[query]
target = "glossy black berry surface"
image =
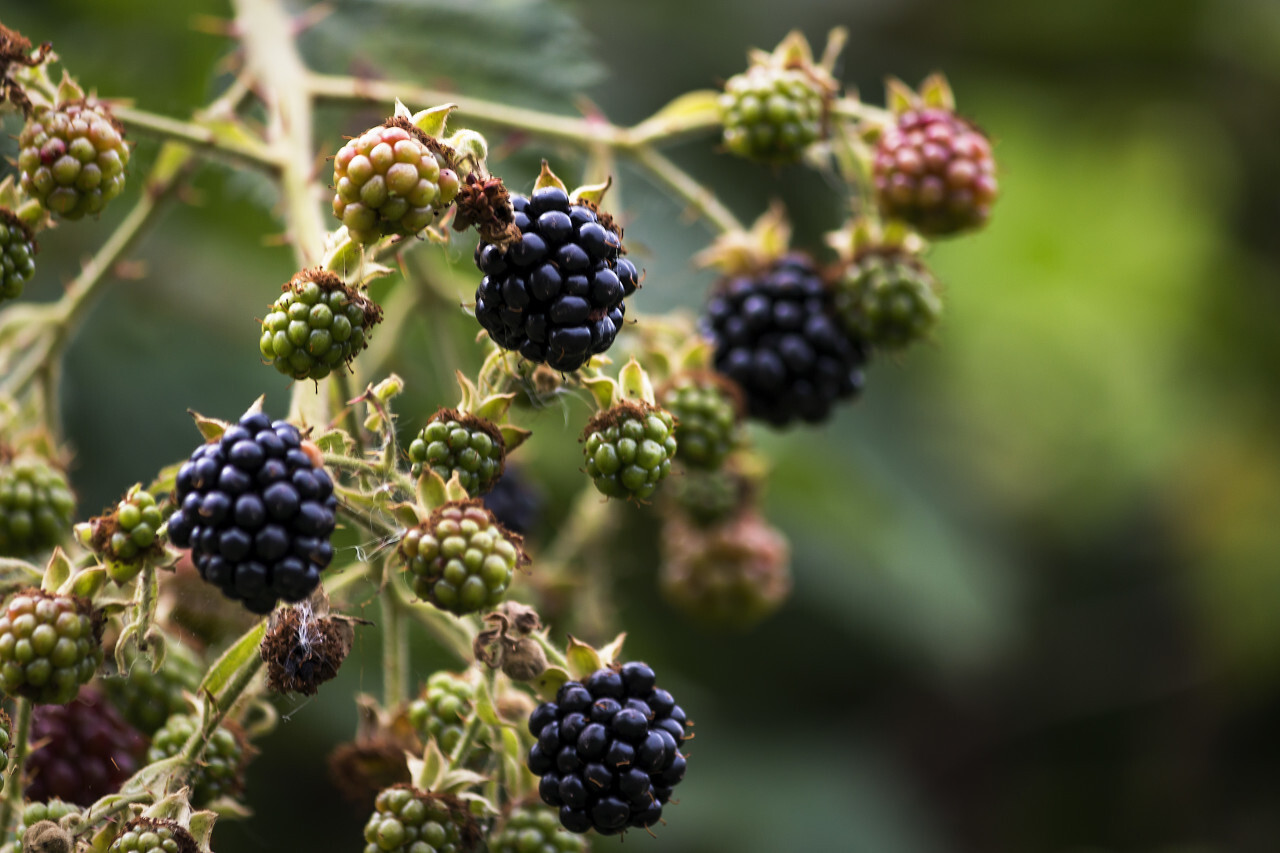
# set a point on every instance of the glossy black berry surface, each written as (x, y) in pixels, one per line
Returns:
(608, 750)
(556, 294)
(257, 513)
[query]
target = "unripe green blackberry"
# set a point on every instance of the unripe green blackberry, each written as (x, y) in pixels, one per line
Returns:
(126, 537)
(629, 448)
(6, 740)
(457, 442)
(534, 828)
(220, 770)
(392, 179)
(149, 835)
(36, 505)
(72, 157)
(54, 810)
(147, 699)
(49, 646)
(461, 558)
(708, 412)
(442, 711)
(731, 575)
(772, 113)
(406, 820)
(889, 300)
(707, 497)
(316, 325)
(17, 255)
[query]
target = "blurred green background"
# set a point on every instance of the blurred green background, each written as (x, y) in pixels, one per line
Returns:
(1037, 566)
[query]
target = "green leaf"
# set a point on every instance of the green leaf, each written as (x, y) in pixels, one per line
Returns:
(334, 441)
(241, 654)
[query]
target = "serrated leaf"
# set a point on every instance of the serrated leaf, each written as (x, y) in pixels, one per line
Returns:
(211, 428)
(582, 659)
(513, 436)
(551, 680)
(241, 654)
(57, 572)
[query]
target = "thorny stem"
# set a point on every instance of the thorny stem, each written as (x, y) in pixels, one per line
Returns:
(206, 140)
(12, 802)
(120, 802)
(395, 644)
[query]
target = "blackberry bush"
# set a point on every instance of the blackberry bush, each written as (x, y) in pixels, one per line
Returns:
(220, 771)
(608, 750)
(460, 559)
(72, 157)
(317, 325)
(49, 645)
(257, 511)
(454, 442)
(556, 294)
(36, 504)
(85, 750)
(17, 255)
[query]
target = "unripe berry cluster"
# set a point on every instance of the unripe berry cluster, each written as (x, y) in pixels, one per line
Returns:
(457, 443)
(629, 448)
(317, 325)
(888, 299)
(17, 255)
(220, 771)
(460, 559)
(148, 835)
(772, 114)
(442, 711)
(406, 820)
(72, 158)
(49, 646)
(36, 505)
(706, 408)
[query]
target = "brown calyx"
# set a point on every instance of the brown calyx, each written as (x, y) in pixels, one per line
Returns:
(15, 49)
(302, 650)
(485, 204)
(328, 282)
(617, 413)
(435, 146)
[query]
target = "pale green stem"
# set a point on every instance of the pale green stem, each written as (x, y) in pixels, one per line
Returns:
(698, 197)
(12, 801)
(201, 138)
(395, 645)
(859, 111)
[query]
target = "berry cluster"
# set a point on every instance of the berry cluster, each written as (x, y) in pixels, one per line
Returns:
(256, 509)
(150, 835)
(534, 828)
(392, 180)
(442, 711)
(460, 558)
(36, 505)
(934, 170)
(406, 820)
(72, 158)
(516, 501)
(772, 114)
(49, 646)
(457, 443)
(608, 750)
(707, 410)
(556, 294)
(220, 771)
(17, 255)
(776, 336)
(34, 812)
(130, 533)
(85, 750)
(629, 448)
(316, 325)
(888, 299)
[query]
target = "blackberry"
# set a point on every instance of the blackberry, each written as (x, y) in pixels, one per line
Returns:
(36, 505)
(516, 501)
(257, 512)
(406, 820)
(708, 497)
(49, 646)
(608, 750)
(6, 740)
(17, 255)
(772, 113)
(533, 828)
(392, 179)
(629, 448)
(85, 751)
(707, 408)
(731, 575)
(461, 559)
(556, 294)
(935, 171)
(219, 772)
(151, 835)
(146, 699)
(53, 810)
(72, 157)
(442, 711)
(128, 535)
(889, 300)
(775, 335)
(455, 442)
(316, 325)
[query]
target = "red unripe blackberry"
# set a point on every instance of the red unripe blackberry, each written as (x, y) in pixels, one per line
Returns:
(392, 179)
(72, 157)
(777, 337)
(257, 512)
(934, 170)
(49, 646)
(17, 255)
(83, 751)
(556, 294)
(608, 750)
(460, 559)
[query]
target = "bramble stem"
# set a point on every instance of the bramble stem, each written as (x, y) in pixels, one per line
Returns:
(395, 645)
(208, 141)
(12, 802)
(859, 111)
(699, 198)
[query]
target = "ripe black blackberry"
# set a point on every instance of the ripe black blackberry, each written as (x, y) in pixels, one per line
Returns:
(257, 512)
(85, 750)
(776, 336)
(556, 294)
(516, 501)
(608, 750)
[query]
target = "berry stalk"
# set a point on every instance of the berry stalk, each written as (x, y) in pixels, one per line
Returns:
(11, 803)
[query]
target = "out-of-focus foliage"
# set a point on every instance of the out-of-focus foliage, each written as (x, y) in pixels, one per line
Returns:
(1037, 566)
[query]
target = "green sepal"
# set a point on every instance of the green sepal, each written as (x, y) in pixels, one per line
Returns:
(149, 775)
(582, 659)
(102, 839)
(201, 829)
(433, 492)
(635, 384)
(604, 390)
(700, 106)
(166, 480)
(936, 92)
(69, 89)
(609, 654)
(211, 428)
(484, 706)
(470, 146)
(57, 572)
(85, 583)
(547, 178)
(739, 252)
(17, 574)
(426, 772)
(513, 768)
(406, 514)
(898, 96)
(513, 436)
(432, 120)
(550, 682)
(495, 407)
(454, 490)
(175, 807)
(593, 193)
(388, 389)
(696, 356)
(239, 655)
(469, 392)
(335, 441)
(793, 51)
(342, 254)
(457, 780)
(477, 804)
(229, 807)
